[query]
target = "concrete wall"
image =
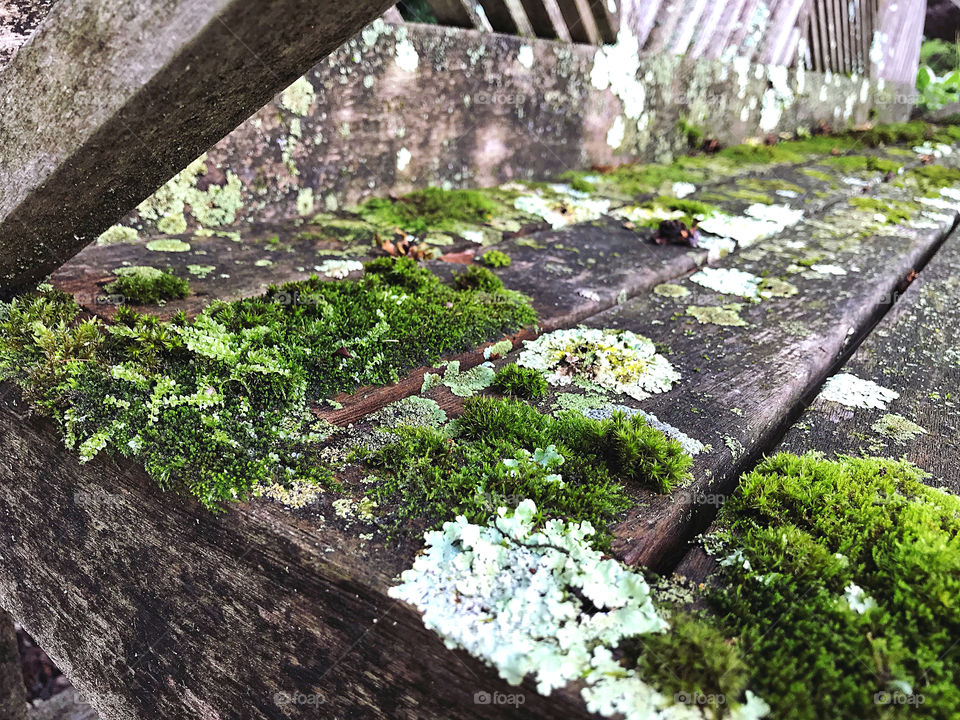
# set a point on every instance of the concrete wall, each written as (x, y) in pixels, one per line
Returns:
(406, 106)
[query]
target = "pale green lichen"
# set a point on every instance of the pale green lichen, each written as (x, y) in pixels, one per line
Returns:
(305, 202)
(617, 360)
(729, 281)
(298, 97)
(117, 234)
(168, 245)
(727, 315)
(498, 349)
(215, 206)
(671, 290)
(537, 600)
(413, 411)
(898, 428)
(470, 382)
(172, 224)
(201, 271)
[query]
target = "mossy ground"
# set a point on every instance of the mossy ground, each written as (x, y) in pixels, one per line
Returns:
(431, 209)
(218, 405)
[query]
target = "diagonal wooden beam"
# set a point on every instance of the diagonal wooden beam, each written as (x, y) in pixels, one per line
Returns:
(108, 100)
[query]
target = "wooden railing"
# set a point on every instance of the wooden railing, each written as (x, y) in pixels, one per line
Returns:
(880, 38)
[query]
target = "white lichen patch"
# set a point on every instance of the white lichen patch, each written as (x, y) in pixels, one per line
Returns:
(729, 281)
(758, 222)
(682, 189)
(525, 56)
(407, 57)
(298, 97)
(857, 599)
(617, 360)
(403, 159)
(616, 67)
(898, 428)
(339, 268)
(562, 210)
(827, 269)
(511, 595)
(542, 603)
(298, 495)
(642, 215)
(852, 391)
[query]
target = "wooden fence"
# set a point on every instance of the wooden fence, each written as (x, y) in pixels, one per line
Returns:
(880, 38)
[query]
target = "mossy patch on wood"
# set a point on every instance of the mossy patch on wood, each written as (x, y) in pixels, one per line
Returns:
(218, 405)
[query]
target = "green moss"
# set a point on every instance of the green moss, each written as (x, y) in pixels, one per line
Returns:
(841, 580)
(577, 180)
(634, 180)
(504, 450)
(693, 658)
(818, 175)
(520, 382)
(750, 196)
(894, 211)
(430, 209)
(861, 163)
(693, 134)
(913, 133)
(144, 285)
(929, 179)
(218, 406)
(495, 258)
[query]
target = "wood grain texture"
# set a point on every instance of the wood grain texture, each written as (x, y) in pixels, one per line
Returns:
(915, 351)
(162, 610)
(109, 100)
(13, 698)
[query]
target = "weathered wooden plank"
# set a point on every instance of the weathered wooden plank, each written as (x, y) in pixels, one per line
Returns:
(13, 699)
(539, 18)
(80, 143)
(573, 21)
(742, 383)
(456, 13)
(500, 16)
(253, 614)
(914, 352)
(607, 20)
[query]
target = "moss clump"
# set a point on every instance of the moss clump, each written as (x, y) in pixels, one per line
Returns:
(693, 134)
(143, 285)
(894, 211)
(930, 179)
(430, 209)
(504, 450)
(913, 133)
(634, 180)
(520, 382)
(218, 406)
(818, 175)
(693, 659)
(842, 580)
(861, 163)
(495, 259)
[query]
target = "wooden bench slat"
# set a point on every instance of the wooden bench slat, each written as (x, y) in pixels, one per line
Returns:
(914, 351)
(108, 100)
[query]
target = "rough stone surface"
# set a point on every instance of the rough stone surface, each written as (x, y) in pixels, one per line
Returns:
(473, 109)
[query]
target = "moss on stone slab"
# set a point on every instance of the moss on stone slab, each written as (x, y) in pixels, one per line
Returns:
(520, 382)
(495, 259)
